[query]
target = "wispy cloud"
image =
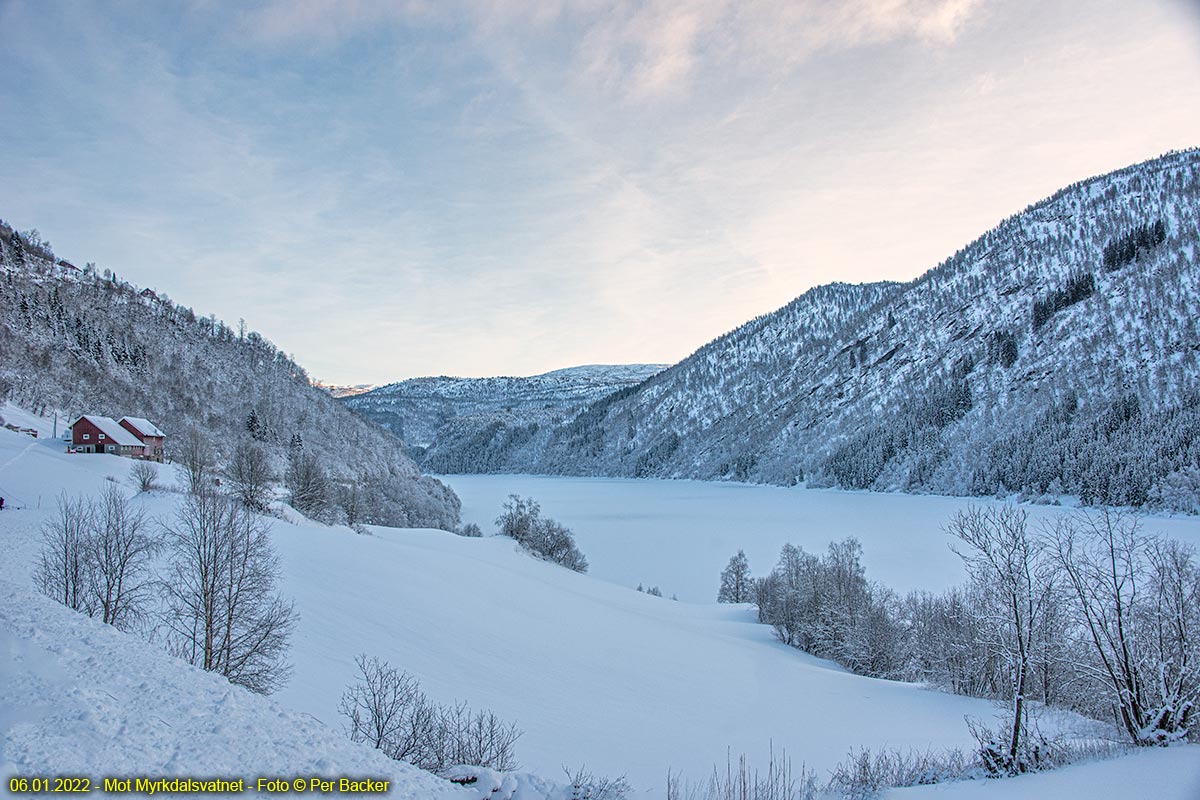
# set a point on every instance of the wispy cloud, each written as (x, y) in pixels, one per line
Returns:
(509, 186)
(643, 49)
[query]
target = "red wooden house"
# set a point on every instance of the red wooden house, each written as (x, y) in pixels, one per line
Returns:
(93, 434)
(152, 438)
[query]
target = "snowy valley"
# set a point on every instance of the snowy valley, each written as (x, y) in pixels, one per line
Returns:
(1039, 385)
(593, 672)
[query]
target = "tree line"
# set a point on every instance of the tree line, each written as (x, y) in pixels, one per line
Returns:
(1089, 612)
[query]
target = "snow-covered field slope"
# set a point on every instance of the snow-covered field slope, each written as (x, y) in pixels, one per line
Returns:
(80, 698)
(594, 673)
(679, 535)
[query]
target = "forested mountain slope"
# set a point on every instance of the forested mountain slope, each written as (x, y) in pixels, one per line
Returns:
(414, 409)
(84, 343)
(1055, 354)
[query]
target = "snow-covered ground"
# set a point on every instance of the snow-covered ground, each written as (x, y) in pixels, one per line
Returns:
(594, 673)
(679, 535)
(1170, 774)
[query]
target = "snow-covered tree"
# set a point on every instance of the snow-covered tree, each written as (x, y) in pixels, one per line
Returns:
(522, 520)
(1013, 572)
(736, 584)
(250, 475)
(307, 483)
(1136, 601)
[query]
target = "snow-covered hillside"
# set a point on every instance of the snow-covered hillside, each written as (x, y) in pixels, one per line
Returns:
(84, 343)
(593, 672)
(416, 408)
(81, 698)
(1030, 361)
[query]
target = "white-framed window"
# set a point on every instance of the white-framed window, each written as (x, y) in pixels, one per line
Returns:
(87, 436)
(102, 436)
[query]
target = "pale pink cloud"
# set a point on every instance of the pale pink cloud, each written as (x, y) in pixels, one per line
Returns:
(641, 50)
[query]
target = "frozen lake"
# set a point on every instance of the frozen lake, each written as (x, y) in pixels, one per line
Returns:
(679, 535)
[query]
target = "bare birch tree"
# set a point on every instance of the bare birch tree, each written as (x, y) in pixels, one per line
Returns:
(64, 567)
(224, 614)
(121, 547)
(1011, 568)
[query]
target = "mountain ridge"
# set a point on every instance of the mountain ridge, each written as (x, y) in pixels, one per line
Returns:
(416, 408)
(1029, 361)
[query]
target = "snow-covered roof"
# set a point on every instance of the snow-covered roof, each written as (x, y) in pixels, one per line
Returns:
(113, 430)
(144, 426)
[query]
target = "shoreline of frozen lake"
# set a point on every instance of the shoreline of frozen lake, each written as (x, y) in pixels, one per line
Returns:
(679, 534)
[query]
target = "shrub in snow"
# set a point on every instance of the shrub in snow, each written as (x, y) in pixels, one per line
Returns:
(588, 786)
(470, 530)
(740, 782)
(522, 520)
(143, 474)
(386, 708)
(864, 773)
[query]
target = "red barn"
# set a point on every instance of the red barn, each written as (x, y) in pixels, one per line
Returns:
(92, 434)
(152, 438)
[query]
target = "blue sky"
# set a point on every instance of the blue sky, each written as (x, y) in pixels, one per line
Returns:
(506, 187)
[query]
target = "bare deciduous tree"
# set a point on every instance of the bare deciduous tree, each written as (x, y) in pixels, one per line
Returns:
(96, 558)
(250, 475)
(64, 570)
(121, 545)
(224, 614)
(193, 457)
(143, 474)
(1137, 597)
(1010, 567)
(307, 484)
